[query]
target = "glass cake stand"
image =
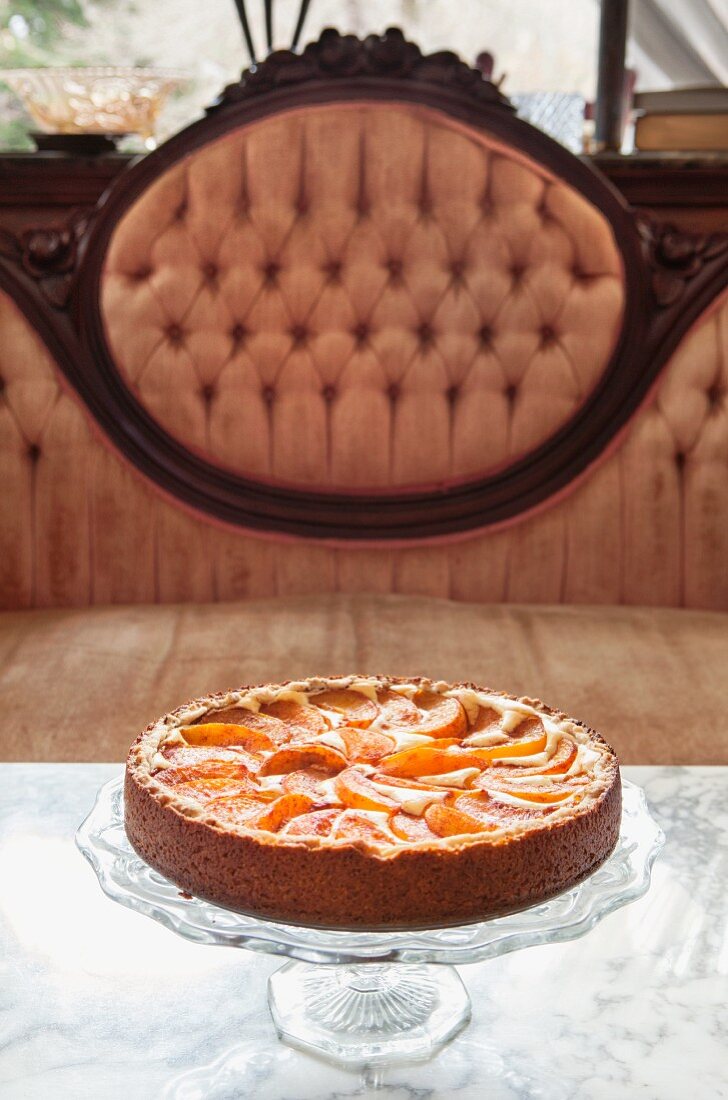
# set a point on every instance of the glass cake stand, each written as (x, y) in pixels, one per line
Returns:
(361, 998)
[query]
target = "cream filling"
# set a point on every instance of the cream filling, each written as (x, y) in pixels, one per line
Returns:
(514, 800)
(405, 740)
(412, 800)
(459, 778)
(333, 739)
(485, 739)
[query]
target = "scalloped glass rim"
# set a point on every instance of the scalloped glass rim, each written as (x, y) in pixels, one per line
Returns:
(127, 879)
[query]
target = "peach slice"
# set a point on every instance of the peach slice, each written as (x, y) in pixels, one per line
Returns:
(441, 717)
(369, 747)
(554, 792)
(356, 708)
(353, 826)
(396, 710)
(563, 758)
(359, 793)
(220, 733)
(236, 809)
(297, 716)
(242, 716)
(407, 827)
(534, 742)
(495, 814)
(184, 756)
(426, 760)
(281, 811)
(295, 757)
(315, 823)
(486, 719)
(560, 762)
(306, 781)
(211, 779)
(451, 821)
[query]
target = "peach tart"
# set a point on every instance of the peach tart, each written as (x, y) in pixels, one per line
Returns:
(372, 802)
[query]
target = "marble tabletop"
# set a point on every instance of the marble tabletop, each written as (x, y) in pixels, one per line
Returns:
(97, 1001)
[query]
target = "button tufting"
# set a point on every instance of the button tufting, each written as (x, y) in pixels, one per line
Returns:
(269, 393)
(141, 274)
(33, 452)
(452, 393)
(361, 332)
(548, 336)
(209, 270)
(393, 391)
(238, 333)
(270, 271)
(511, 392)
(301, 206)
(333, 270)
(175, 333)
(485, 335)
(680, 459)
(299, 334)
(181, 211)
(363, 208)
(328, 392)
(2, 385)
(457, 269)
(208, 392)
(425, 333)
(517, 273)
(714, 394)
(543, 211)
(394, 267)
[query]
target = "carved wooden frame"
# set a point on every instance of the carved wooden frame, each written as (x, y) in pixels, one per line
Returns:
(670, 278)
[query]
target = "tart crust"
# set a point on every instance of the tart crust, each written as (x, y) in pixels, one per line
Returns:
(355, 884)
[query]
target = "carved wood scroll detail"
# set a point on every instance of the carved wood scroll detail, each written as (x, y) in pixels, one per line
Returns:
(48, 255)
(341, 56)
(676, 257)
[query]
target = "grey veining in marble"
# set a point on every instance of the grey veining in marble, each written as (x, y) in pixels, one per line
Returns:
(99, 1002)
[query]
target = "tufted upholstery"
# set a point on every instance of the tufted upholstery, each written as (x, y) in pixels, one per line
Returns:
(648, 526)
(367, 295)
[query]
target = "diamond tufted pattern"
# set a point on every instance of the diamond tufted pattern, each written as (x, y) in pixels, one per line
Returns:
(648, 526)
(361, 295)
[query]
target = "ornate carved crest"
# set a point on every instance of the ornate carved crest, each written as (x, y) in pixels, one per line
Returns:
(342, 56)
(48, 255)
(676, 256)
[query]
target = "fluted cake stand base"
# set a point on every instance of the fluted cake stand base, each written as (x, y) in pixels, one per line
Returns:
(369, 997)
(368, 1013)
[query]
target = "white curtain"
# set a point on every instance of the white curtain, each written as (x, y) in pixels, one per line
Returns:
(678, 42)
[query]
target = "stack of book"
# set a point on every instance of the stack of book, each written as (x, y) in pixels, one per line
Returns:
(682, 120)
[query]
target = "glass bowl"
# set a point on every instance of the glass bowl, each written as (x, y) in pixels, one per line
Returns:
(370, 997)
(101, 100)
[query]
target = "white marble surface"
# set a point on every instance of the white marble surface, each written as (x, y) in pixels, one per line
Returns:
(99, 1002)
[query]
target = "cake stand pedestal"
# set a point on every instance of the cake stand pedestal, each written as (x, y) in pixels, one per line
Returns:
(370, 998)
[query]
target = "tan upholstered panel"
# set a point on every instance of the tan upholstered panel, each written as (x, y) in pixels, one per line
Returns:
(361, 296)
(649, 526)
(650, 679)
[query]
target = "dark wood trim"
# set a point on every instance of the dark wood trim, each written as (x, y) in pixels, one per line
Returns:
(54, 179)
(609, 105)
(669, 279)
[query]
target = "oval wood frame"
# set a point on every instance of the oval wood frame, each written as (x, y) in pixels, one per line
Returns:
(669, 280)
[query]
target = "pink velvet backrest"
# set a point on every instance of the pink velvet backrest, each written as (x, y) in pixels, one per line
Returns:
(361, 295)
